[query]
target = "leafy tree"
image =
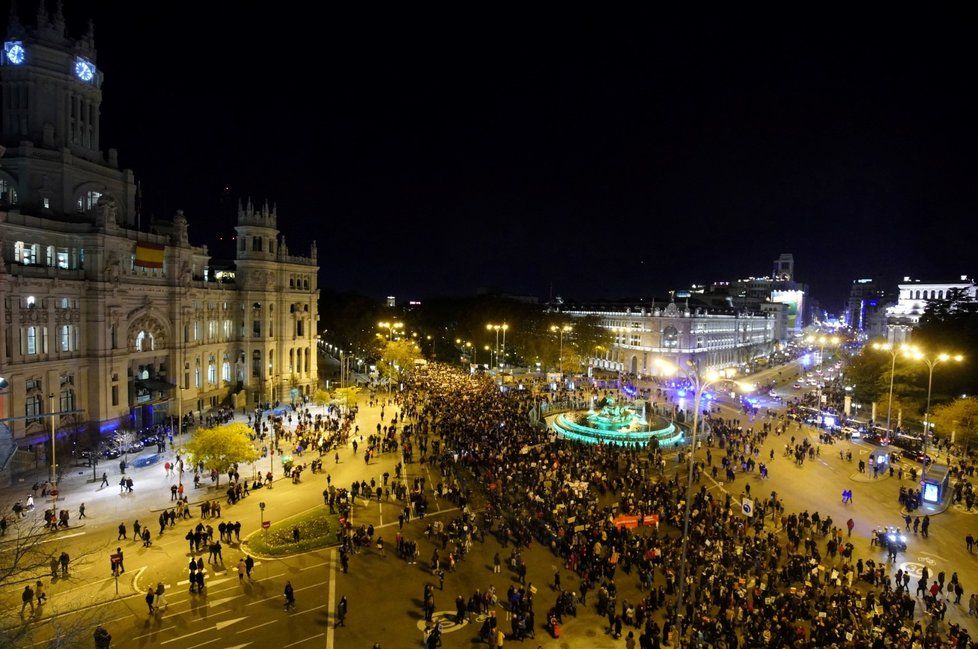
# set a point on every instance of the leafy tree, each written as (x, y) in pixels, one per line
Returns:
(347, 396)
(959, 416)
(320, 397)
(222, 447)
(397, 357)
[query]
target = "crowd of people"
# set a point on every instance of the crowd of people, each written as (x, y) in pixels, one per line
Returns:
(774, 579)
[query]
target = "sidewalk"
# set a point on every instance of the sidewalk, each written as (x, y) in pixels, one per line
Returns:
(151, 487)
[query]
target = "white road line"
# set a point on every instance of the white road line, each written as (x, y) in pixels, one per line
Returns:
(312, 637)
(252, 628)
(60, 538)
(309, 610)
(380, 509)
(316, 565)
(330, 626)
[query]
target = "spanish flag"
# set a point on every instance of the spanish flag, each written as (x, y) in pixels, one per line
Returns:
(149, 255)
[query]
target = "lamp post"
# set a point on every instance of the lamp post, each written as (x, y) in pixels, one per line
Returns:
(893, 352)
(560, 330)
(931, 362)
(497, 328)
(391, 327)
(700, 384)
(54, 462)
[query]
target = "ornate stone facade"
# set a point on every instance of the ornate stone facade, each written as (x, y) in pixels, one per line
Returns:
(90, 328)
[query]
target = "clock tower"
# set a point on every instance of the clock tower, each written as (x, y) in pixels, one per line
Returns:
(51, 97)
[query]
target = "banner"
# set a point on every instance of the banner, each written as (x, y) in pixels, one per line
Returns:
(149, 255)
(631, 522)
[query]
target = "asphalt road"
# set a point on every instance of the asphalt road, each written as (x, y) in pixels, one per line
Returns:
(385, 593)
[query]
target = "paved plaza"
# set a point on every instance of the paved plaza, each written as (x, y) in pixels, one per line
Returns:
(385, 593)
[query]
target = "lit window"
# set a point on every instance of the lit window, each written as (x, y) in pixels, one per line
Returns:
(88, 200)
(31, 340)
(46, 202)
(7, 191)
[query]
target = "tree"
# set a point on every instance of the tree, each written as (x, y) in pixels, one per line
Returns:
(25, 556)
(396, 357)
(959, 416)
(320, 397)
(123, 441)
(222, 447)
(348, 395)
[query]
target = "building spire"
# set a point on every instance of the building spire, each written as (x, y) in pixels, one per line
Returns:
(59, 17)
(42, 14)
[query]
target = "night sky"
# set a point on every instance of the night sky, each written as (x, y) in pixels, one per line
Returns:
(615, 156)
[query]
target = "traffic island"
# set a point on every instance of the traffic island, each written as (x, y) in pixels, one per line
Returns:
(310, 530)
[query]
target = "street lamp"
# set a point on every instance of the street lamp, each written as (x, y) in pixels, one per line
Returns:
(931, 362)
(497, 328)
(822, 342)
(391, 327)
(893, 352)
(700, 384)
(560, 330)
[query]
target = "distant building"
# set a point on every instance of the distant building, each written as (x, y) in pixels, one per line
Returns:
(914, 296)
(713, 338)
(391, 302)
(867, 299)
(753, 293)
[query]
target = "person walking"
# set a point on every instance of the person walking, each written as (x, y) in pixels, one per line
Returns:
(105, 480)
(289, 596)
(150, 598)
(249, 565)
(341, 608)
(81, 511)
(122, 531)
(241, 570)
(160, 602)
(27, 599)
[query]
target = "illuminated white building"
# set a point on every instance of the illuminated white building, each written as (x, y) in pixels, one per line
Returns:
(913, 299)
(103, 321)
(713, 338)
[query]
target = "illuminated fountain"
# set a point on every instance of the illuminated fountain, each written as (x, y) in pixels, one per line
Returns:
(616, 424)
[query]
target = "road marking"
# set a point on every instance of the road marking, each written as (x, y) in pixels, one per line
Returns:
(216, 627)
(60, 538)
(309, 610)
(252, 628)
(316, 565)
(312, 637)
(330, 627)
(259, 601)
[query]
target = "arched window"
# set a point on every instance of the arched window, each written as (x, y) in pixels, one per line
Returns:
(145, 342)
(88, 200)
(670, 336)
(940, 295)
(197, 374)
(307, 360)
(211, 370)
(917, 295)
(226, 370)
(256, 363)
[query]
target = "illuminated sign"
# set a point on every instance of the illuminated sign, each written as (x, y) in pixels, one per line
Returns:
(795, 302)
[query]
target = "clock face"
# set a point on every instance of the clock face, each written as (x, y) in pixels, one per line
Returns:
(84, 69)
(14, 52)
